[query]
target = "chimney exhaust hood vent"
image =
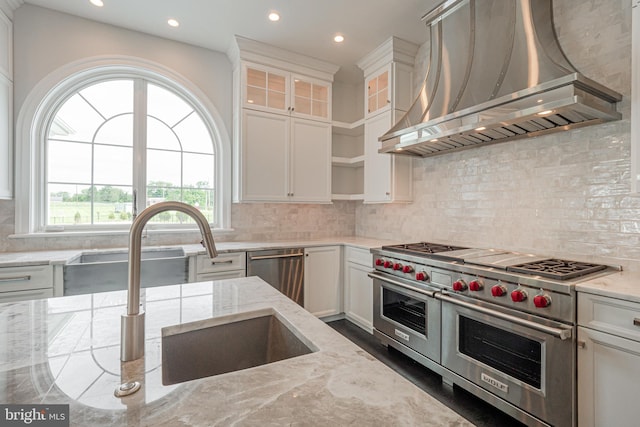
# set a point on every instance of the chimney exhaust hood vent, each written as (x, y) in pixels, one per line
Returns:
(496, 72)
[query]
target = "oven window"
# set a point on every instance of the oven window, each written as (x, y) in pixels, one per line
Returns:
(405, 310)
(510, 353)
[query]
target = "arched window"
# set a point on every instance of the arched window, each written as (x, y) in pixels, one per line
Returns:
(112, 140)
(116, 138)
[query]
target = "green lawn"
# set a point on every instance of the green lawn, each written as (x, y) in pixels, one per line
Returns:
(68, 213)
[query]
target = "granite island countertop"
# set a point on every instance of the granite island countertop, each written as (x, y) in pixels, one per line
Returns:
(66, 350)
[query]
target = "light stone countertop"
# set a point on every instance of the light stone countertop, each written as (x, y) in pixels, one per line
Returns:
(21, 259)
(66, 350)
(623, 285)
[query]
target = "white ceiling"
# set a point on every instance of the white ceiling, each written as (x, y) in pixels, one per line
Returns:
(306, 26)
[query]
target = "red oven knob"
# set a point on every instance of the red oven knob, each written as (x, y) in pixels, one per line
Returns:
(498, 291)
(387, 264)
(422, 276)
(518, 295)
(407, 269)
(379, 261)
(476, 285)
(397, 266)
(459, 285)
(542, 301)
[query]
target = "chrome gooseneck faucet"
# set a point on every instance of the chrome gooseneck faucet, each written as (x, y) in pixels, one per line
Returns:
(132, 324)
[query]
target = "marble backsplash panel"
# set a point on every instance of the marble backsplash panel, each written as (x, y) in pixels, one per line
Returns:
(250, 222)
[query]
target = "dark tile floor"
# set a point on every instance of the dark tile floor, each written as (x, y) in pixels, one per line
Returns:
(473, 409)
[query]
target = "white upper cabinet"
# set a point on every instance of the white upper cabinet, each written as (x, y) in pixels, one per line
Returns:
(280, 92)
(6, 107)
(388, 72)
(282, 125)
(378, 93)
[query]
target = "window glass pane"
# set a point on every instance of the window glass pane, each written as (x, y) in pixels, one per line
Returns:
(69, 162)
(256, 96)
(165, 105)
(202, 199)
(302, 88)
(75, 121)
(194, 135)
(198, 170)
(276, 100)
(163, 167)
(113, 165)
(110, 98)
(276, 83)
(68, 204)
(117, 131)
(320, 93)
(112, 204)
(159, 135)
(256, 78)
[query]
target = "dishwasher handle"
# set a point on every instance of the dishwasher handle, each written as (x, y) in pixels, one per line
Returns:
(260, 257)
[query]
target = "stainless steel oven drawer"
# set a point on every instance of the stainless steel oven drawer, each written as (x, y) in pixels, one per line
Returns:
(419, 331)
(533, 369)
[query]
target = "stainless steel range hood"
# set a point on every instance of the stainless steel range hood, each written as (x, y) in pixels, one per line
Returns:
(496, 72)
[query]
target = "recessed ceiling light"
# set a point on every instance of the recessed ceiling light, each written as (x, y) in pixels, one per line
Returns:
(98, 3)
(339, 38)
(480, 128)
(173, 23)
(274, 16)
(544, 113)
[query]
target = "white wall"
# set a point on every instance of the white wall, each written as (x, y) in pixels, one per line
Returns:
(566, 194)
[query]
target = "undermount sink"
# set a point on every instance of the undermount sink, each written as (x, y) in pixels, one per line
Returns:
(106, 270)
(226, 344)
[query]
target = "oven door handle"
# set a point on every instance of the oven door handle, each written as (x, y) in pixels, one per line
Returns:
(563, 334)
(431, 294)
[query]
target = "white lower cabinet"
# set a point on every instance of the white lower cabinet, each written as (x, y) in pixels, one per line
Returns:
(358, 287)
(224, 266)
(608, 361)
(322, 281)
(24, 283)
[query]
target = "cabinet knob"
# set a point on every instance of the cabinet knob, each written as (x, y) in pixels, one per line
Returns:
(581, 344)
(636, 321)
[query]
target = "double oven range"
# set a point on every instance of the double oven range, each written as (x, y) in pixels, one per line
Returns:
(499, 324)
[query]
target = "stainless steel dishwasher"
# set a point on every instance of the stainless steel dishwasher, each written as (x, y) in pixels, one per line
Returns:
(281, 268)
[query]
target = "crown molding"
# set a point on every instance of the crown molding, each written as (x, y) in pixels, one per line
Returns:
(244, 49)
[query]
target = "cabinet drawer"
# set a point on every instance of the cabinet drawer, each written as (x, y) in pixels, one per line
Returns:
(26, 278)
(220, 275)
(223, 262)
(26, 295)
(359, 256)
(612, 315)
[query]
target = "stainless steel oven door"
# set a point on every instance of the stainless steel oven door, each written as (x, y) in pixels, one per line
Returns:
(526, 361)
(408, 314)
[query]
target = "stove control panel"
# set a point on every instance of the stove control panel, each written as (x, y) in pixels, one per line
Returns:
(513, 295)
(510, 294)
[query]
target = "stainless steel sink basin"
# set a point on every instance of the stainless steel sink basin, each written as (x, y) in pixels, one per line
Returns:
(99, 271)
(226, 344)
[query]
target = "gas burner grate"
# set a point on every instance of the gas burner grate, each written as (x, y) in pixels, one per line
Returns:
(422, 248)
(556, 268)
